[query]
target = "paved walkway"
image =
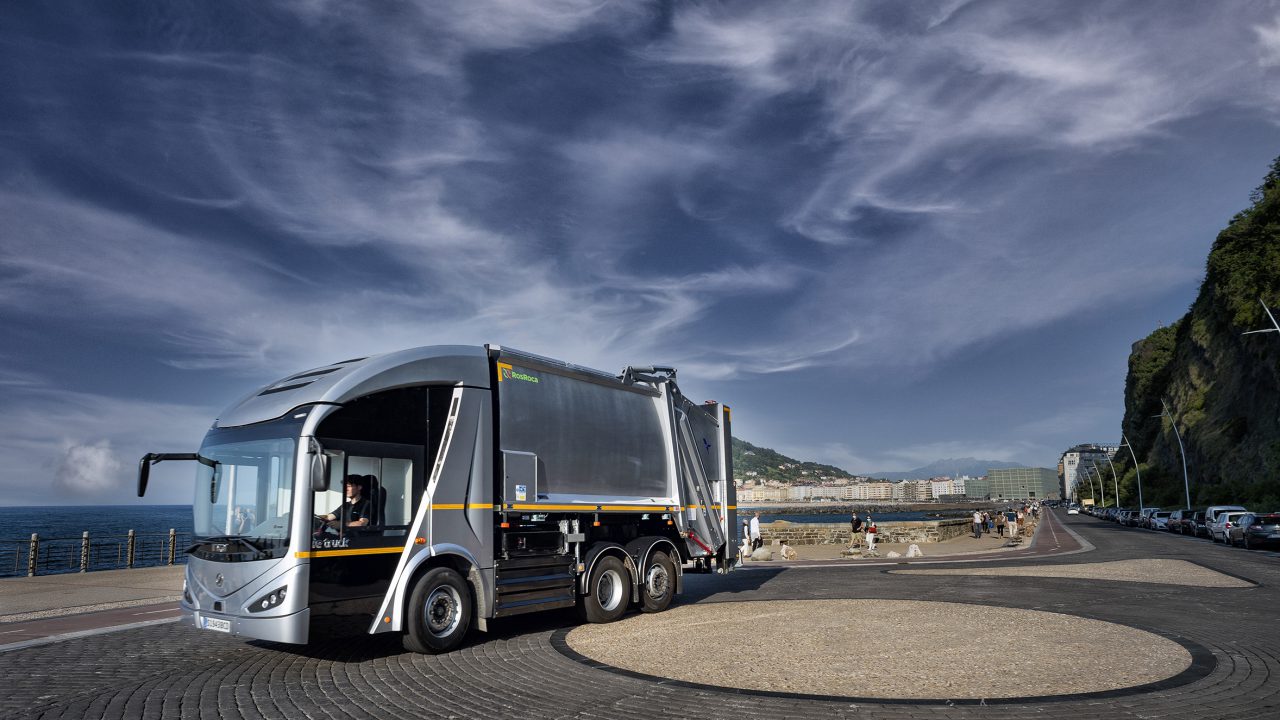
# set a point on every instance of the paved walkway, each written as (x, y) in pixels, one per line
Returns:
(524, 669)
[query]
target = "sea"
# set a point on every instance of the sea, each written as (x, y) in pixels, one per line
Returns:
(842, 518)
(60, 529)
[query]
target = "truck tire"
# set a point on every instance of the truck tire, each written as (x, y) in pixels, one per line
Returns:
(658, 584)
(610, 591)
(439, 612)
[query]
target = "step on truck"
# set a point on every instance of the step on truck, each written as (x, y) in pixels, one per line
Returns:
(429, 491)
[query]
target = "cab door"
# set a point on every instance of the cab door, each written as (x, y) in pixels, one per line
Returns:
(351, 567)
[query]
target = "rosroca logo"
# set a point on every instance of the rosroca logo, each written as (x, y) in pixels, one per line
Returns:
(506, 372)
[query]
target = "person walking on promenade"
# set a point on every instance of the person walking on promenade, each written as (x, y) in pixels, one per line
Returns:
(977, 525)
(871, 534)
(855, 531)
(1000, 524)
(756, 541)
(746, 530)
(1022, 516)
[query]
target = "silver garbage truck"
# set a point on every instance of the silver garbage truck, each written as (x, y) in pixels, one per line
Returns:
(431, 490)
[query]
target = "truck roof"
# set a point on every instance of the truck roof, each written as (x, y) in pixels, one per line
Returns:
(349, 379)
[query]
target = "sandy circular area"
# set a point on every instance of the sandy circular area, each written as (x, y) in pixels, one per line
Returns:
(887, 649)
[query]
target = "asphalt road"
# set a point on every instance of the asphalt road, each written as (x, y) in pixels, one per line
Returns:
(520, 669)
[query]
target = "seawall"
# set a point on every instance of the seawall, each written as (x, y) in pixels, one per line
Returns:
(920, 531)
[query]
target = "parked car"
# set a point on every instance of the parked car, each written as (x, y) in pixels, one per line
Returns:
(1160, 520)
(1220, 528)
(1259, 530)
(1211, 512)
(1181, 522)
(1144, 516)
(1198, 525)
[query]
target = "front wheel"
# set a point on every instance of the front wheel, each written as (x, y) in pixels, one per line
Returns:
(659, 583)
(610, 591)
(439, 612)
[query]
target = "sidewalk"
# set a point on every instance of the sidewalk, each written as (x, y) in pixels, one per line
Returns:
(48, 596)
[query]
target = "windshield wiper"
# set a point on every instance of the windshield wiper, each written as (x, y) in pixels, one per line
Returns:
(228, 539)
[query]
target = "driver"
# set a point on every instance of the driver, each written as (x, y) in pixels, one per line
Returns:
(355, 510)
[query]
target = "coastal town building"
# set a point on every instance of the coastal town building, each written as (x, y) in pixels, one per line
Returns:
(1023, 483)
(1072, 463)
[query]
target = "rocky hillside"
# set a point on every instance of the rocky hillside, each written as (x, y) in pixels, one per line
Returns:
(1222, 388)
(771, 465)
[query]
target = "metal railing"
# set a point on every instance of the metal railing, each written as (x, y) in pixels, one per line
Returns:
(50, 556)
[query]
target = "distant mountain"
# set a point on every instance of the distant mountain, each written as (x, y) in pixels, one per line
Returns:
(767, 464)
(950, 467)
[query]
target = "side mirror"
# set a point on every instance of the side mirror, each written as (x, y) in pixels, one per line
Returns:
(319, 468)
(144, 473)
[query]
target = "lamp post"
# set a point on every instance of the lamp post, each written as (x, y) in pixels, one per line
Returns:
(1186, 482)
(1093, 494)
(1114, 479)
(1093, 465)
(1273, 321)
(1135, 470)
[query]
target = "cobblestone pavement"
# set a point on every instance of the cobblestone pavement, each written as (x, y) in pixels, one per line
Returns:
(172, 671)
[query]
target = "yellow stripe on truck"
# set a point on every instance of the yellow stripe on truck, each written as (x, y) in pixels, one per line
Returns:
(588, 508)
(348, 551)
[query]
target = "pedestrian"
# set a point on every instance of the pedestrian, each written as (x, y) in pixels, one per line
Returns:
(756, 541)
(871, 534)
(986, 522)
(1000, 524)
(856, 535)
(977, 525)
(1021, 518)
(746, 530)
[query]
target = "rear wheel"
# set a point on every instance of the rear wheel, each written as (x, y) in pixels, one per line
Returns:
(609, 591)
(439, 612)
(1247, 546)
(659, 583)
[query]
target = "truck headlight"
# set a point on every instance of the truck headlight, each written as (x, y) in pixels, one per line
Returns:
(269, 600)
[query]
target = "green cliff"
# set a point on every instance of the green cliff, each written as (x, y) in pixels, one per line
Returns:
(768, 464)
(1222, 388)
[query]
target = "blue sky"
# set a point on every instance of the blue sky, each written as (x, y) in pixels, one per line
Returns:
(884, 232)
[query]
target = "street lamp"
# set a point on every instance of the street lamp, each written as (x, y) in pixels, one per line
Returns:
(1273, 321)
(1183, 451)
(1093, 494)
(1114, 479)
(1093, 465)
(1135, 469)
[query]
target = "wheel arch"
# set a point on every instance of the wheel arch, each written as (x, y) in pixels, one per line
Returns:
(642, 548)
(605, 549)
(457, 559)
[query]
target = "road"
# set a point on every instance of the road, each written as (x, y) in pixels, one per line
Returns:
(518, 671)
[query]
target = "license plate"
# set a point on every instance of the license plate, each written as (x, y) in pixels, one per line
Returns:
(218, 624)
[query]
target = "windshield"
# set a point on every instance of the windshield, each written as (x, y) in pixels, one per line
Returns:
(249, 493)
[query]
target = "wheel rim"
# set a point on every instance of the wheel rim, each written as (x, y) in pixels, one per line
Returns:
(609, 590)
(657, 581)
(443, 611)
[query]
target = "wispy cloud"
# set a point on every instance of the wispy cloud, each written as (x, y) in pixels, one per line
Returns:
(1269, 42)
(767, 189)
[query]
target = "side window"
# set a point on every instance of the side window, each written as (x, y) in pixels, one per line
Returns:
(380, 500)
